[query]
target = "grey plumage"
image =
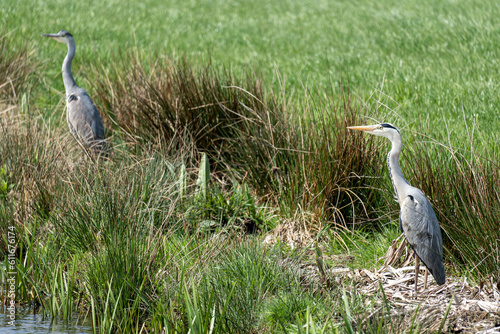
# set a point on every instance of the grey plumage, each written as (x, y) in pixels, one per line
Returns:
(420, 226)
(417, 218)
(84, 120)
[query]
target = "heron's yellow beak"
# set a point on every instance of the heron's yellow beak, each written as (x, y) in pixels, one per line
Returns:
(362, 128)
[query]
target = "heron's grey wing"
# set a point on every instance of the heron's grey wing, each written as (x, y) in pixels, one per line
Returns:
(423, 233)
(99, 143)
(84, 119)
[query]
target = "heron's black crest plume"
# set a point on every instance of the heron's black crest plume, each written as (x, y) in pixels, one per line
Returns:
(65, 33)
(387, 125)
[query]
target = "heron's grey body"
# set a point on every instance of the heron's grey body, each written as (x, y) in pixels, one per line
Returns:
(84, 120)
(417, 218)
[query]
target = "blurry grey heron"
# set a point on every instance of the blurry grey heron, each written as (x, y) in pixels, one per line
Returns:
(84, 120)
(417, 219)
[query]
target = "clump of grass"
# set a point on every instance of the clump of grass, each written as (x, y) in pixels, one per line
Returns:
(17, 68)
(163, 100)
(254, 274)
(235, 209)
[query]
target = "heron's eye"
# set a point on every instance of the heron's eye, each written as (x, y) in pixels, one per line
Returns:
(380, 127)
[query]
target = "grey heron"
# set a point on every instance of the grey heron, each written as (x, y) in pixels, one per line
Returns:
(84, 120)
(417, 219)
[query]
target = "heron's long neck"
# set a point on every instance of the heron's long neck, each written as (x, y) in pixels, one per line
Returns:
(398, 181)
(68, 80)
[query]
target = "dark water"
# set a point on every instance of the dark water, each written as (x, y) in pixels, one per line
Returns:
(27, 322)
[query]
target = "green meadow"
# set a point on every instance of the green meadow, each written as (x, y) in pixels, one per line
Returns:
(235, 190)
(437, 60)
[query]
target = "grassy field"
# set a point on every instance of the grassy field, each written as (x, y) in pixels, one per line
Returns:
(218, 201)
(437, 60)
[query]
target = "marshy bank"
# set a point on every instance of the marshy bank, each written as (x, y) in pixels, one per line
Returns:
(169, 234)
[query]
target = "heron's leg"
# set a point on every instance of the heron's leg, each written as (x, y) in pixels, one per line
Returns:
(416, 272)
(425, 278)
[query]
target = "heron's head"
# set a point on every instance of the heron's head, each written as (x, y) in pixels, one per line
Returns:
(62, 36)
(383, 129)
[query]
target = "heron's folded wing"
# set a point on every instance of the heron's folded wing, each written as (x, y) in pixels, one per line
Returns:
(422, 230)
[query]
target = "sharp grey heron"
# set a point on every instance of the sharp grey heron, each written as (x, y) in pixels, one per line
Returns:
(417, 219)
(84, 120)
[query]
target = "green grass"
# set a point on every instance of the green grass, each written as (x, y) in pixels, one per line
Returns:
(359, 249)
(117, 242)
(431, 57)
(168, 234)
